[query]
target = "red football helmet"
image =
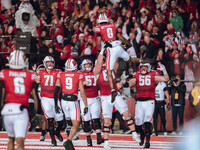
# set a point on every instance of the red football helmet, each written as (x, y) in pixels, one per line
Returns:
(70, 65)
(17, 60)
(145, 68)
(47, 59)
(88, 68)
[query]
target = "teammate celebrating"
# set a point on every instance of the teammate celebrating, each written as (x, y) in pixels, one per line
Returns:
(47, 78)
(107, 105)
(70, 81)
(107, 33)
(18, 86)
(145, 81)
(94, 110)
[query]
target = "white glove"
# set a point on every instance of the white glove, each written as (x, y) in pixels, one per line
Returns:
(124, 77)
(102, 48)
(162, 68)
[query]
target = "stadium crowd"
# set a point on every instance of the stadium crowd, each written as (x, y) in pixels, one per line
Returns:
(162, 32)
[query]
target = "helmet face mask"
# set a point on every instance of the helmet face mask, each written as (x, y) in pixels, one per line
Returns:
(87, 65)
(17, 60)
(70, 65)
(49, 62)
(102, 18)
(145, 68)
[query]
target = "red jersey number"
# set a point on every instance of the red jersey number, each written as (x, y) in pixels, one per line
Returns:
(19, 86)
(144, 80)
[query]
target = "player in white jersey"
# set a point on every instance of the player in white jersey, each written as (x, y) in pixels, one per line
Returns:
(161, 93)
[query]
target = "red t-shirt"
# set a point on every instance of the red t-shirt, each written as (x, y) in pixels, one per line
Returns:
(47, 82)
(18, 84)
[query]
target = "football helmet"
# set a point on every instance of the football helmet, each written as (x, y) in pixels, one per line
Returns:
(146, 68)
(102, 18)
(46, 59)
(87, 61)
(70, 65)
(17, 60)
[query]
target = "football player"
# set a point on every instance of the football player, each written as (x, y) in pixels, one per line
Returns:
(47, 77)
(69, 81)
(107, 33)
(107, 105)
(18, 86)
(145, 81)
(91, 90)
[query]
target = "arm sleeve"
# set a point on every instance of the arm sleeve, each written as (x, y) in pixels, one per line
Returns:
(56, 90)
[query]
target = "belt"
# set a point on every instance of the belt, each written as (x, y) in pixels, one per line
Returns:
(69, 97)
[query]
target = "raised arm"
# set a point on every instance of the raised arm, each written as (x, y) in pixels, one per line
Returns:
(162, 78)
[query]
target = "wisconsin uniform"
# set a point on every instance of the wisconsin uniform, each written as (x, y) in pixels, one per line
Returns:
(108, 33)
(145, 82)
(69, 84)
(47, 83)
(145, 88)
(91, 90)
(18, 84)
(105, 93)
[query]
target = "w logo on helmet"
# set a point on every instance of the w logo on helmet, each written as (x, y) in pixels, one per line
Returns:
(102, 18)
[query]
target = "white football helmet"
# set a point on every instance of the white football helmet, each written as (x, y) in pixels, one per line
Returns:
(87, 61)
(102, 18)
(70, 65)
(17, 60)
(145, 70)
(46, 59)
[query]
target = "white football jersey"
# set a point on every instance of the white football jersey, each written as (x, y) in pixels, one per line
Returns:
(160, 91)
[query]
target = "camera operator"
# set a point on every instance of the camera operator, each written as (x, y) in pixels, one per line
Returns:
(177, 91)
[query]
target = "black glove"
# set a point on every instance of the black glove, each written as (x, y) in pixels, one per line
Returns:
(57, 109)
(85, 111)
(168, 106)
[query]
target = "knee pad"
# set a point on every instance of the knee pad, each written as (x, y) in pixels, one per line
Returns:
(108, 129)
(50, 123)
(97, 123)
(130, 122)
(86, 126)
